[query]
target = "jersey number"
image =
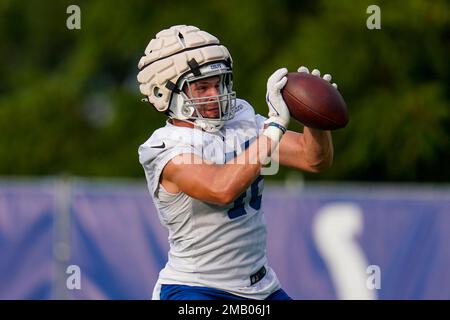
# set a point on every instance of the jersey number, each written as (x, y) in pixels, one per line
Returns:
(254, 202)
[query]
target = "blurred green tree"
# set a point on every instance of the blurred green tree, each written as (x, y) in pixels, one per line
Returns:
(69, 100)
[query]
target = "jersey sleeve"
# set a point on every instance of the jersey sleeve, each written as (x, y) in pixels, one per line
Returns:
(157, 152)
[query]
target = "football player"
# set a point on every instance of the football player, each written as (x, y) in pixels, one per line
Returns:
(203, 168)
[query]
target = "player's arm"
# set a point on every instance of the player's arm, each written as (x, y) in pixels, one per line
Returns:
(213, 183)
(222, 184)
(311, 151)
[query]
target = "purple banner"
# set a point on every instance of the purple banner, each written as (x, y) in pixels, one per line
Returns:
(26, 238)
(104, 241)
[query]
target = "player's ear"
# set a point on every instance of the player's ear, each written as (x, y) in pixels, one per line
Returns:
(186, 87)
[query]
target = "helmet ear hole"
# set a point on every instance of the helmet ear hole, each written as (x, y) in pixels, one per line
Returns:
(157, 93)
(187, 111)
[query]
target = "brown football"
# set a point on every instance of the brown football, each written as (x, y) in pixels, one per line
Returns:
(314, 102)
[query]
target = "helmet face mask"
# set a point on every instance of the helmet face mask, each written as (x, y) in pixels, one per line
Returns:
(177, 58)
(194, 109)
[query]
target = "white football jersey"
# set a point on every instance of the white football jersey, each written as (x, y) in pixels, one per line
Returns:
(222, 247)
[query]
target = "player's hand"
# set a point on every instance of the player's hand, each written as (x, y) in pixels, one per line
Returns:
(316, 72)
(278, 111)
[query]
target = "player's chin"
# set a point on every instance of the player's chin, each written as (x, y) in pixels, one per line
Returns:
(212, 115)
(211, 112)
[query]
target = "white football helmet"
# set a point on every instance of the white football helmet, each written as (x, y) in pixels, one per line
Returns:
(177, 57)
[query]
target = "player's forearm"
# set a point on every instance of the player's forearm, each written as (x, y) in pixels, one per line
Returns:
(237, 174)
(319, 148)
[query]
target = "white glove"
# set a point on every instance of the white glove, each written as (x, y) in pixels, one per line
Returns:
(316, 72)
(278, 111)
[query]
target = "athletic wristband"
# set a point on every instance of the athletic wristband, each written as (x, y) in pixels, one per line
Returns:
(279, 126)
(274, 131)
